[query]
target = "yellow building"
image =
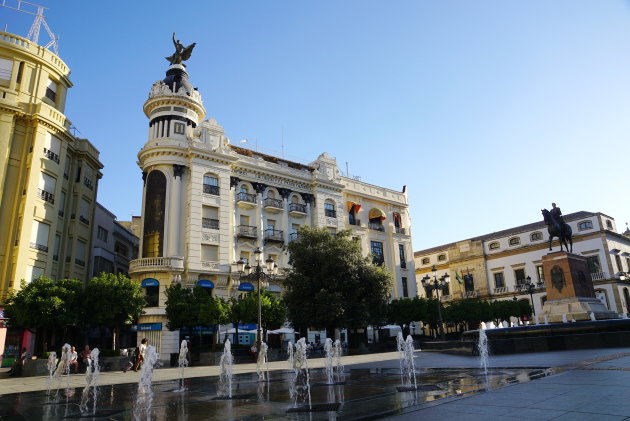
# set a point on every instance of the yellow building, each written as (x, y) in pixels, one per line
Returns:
(48, 177)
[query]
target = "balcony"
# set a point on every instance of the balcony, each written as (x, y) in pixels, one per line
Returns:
(400, 230)
(51, 155)
(274, 236)
(152, 264)
(84, 220)
(330, 213)
(39, 247)
(599, 276)
(297, 209)
(246, 231)
(46, 196)
(210, 189)
(88, 183)
(355, 222)
(273, 205)
(246, 200)
(376, 226)
(471, 294)
(208, 223)
(500, 290)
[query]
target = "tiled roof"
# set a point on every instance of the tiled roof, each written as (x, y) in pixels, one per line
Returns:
(504, 233)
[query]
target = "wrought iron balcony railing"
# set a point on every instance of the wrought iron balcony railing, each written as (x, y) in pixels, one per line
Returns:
(274, 235)
(212, 224)
(376, 226)
(245, 197)
(297, 207)
(246, 231)
(210, 189)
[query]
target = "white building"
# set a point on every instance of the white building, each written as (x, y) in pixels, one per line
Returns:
(500, 263)
(207, 204)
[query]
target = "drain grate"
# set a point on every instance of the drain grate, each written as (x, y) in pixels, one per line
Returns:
(320, 407)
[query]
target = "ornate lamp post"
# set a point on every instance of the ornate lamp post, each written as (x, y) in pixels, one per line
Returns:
(257, 273)
(436, 285)
(531, 287)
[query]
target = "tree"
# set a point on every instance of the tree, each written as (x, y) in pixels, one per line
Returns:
(331, 284)
(273, 310)
(44, 304)
(402, 312)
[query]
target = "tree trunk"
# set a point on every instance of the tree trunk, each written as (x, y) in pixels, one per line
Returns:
(114, 333)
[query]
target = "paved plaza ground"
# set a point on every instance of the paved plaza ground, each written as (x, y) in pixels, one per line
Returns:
(588, 385)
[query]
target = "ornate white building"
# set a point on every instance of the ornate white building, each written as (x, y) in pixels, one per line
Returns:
(207, 204)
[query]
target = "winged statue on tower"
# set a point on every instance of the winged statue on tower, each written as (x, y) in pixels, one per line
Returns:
(181, 53)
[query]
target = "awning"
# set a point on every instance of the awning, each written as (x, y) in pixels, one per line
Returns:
(149, 282)
(245, 286)
(274, 288)
(376, 213)
(282, 330)
(354, 205)
(205, 283)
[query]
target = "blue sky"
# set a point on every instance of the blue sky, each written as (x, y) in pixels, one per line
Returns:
(487, 110)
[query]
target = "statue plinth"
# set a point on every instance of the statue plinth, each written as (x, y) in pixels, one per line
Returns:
(570, 289)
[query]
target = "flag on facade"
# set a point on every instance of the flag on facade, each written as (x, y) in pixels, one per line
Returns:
(458, 277)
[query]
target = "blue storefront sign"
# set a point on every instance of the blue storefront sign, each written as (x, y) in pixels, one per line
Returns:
(247, 326)
(245, 286)
(142, 327)
(149, 282)
(205, 283)
(197, 330)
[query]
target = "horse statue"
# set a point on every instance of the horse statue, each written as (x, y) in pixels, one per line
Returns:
(558, 229)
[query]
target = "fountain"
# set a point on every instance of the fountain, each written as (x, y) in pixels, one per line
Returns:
(300, 390)
(564, 318)
(407, 365)
(225, 378)
(182, 362)
(51, 365)
(546, 319)
(593, 318)
(144, 398)
(261, 363)
(92, 373)
(482, 348)
(535, 319)
(63, 367)
(337, 354)
(483, 325)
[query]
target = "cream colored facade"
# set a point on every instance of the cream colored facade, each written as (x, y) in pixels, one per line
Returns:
(48, 177)
(207, 203)
(500, 262)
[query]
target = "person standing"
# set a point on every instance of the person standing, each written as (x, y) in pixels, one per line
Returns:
(141, 351)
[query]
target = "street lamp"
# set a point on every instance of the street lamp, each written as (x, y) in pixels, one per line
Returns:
(257, 273)
(436, 284)
(531, 287)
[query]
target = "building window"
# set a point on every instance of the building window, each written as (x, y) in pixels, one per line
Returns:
(211, 185)
(585, 225)
(102, 265)
(609, 224)
(403, 259)
(210, 217)
(515, 241)
(441, 257)
(376, 247)
(499, 282)
(153, 296)
(593, 264)
(494, 246)
(540, 274)
(329, 210)
(425, 260)
(121, 249)
(618, 261)
(39, 236)
(404, 287)
(101, 234)
(51, 90)
(519, 275)
(209, 253)
(179, 128)
(80, 253)
(57, 248)
(536, 236)
(6, 68)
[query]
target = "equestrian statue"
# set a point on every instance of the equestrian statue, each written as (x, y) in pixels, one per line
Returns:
(558, 228)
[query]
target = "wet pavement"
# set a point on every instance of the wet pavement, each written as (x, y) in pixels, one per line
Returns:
(519, 387)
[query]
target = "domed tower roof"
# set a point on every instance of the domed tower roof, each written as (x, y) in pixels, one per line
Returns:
(176, 78)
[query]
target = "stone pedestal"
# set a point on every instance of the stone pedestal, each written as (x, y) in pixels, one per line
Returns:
(570, 289)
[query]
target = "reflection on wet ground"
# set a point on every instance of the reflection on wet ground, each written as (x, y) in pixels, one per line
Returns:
(366, 393)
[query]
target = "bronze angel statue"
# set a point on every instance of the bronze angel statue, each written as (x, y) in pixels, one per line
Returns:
(181, 53)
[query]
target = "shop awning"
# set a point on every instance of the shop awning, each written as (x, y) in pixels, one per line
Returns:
(354, 205)
(376, 213)
(205, 283)
(149, 282)
(245, 286)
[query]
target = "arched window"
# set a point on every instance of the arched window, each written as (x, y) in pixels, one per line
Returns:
(425, 260)
(329, 209)
(353, 211)
(377, 216)
(494, 245)
(152, 291)
(441, 257)
(211, 184)
(244, 188)
(536, 236)
(515, 241)
(585, 225)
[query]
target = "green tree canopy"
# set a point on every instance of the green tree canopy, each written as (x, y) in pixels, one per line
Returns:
(331, 284)
(112, 301)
